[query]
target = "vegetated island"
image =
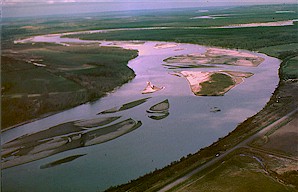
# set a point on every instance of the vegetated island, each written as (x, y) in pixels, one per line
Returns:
(213, 83)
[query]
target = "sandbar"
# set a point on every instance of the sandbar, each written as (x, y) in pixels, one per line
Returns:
(165, 45)
(217, 56)
(266, 24)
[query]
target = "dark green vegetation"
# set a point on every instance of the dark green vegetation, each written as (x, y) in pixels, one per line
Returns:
(243, 38)
(217, 85)
(288, 53)
(65, 77)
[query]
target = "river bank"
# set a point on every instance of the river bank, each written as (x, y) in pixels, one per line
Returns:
(64, 78)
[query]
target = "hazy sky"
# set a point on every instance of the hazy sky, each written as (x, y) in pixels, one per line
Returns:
(164, 1)
(23, 8)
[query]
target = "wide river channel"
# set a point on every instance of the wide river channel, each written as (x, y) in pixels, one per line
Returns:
(189, 124)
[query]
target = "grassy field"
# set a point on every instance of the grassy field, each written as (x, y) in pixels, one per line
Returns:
(217, 85)
(243, 38)
(241, 171)
(268, 164)
(282, 139)
(238, 38)
(23, 27)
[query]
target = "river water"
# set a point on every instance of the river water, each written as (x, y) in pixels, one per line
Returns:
(188, 126)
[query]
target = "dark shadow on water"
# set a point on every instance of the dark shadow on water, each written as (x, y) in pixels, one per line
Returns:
(187, 66)
(160, 110)
(125, 106)
(159, 117)
(61, 161)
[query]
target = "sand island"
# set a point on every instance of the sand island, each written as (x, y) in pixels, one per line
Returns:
(215, 56)
(213, 83)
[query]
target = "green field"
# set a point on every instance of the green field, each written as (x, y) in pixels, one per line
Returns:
(241, 171)
(65, 77)
(217, 85)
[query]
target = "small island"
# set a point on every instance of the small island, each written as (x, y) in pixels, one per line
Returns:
(216, 56)
(213, 83)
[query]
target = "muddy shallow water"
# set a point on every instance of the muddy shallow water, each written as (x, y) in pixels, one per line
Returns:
(185, 125)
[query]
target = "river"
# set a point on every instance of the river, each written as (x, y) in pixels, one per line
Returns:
(187, 126)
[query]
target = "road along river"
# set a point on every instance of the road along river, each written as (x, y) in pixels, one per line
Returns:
(128, 134)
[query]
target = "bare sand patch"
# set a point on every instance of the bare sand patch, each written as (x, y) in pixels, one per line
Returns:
(195, 78)
(39, 64)
(266, 24)
(179, 49)
(150, 88)
(285, 139)
(285, 12)
(30, 27)
(126, 43)
(220, 16)
(84, 66)
(165, 45)
(238, 76)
